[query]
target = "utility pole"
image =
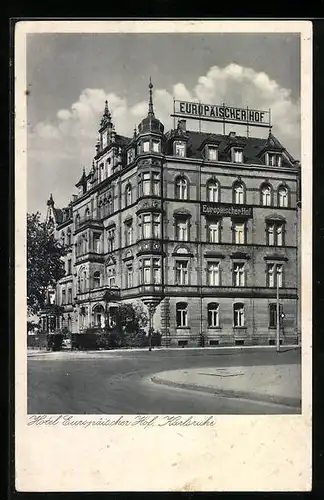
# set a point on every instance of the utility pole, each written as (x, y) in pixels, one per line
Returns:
(278, 314)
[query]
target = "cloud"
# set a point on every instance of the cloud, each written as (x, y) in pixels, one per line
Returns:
(68, 140)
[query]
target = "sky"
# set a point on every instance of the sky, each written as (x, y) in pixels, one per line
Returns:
(69, 77)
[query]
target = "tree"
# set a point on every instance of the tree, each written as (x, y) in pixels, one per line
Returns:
(132, 317)
(44, 264)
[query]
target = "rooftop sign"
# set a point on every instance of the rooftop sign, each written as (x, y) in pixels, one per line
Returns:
(222, 113)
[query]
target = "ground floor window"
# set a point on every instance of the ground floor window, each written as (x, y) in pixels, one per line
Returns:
(213, 315)
(182, 314)
(273, 315)
(238, 315)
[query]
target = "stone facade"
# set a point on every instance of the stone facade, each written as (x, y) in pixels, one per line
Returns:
(201, 224)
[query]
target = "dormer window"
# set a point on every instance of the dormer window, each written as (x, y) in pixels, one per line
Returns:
(237, 155)
(212, 153)
(180, 149)
(274, 159)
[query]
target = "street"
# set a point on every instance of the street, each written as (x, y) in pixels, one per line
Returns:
(120, 382)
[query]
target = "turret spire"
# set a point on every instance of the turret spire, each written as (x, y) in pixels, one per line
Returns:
(106, 117)
(150, 110)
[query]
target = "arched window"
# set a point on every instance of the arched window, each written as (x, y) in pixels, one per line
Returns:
(238, 193)
(266, 195)
(99, 316)
(62, 238)
(128, 195)
(77, 220)
(213, 315)
(87, 213)
(96, 279)
(182, 314)
(212, 191)
(181, 188)
(238, 315)
(282, 196)
(105, 206)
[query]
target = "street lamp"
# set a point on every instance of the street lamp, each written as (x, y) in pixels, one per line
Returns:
(151, 303)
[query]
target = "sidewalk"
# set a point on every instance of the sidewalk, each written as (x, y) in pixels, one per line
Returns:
(279, 384)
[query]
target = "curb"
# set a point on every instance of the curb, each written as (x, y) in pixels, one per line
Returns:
(158, 349)
(264, 398)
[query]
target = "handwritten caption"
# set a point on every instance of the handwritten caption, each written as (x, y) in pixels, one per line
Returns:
(121, 421)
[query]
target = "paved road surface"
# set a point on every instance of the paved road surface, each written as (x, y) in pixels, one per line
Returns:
(119, 383)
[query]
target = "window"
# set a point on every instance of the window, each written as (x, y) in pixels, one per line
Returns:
(62, 239)
(96, 279)
(283, 196)
(156, 271)
(96, 242)
(129, 276)
(212, 153)
(273, 315)
(111, 240)
(146, 271)
(87, 214)
(156, 225)
(238, 193)
(151, 271)
(181, 188)
(151, 226)
(181, 227)
(237, 155)
(275, 233)
(238, 313)
(69, 267)
(146, 146)
(111, 276)
(274, 275)
(274, 160)
(238, 274)
(69, 296)
(128, 195)
(213, 229)
(182, 314)
(156, 146)
(212, 191)
(63, 297)
(68, 235)
(213, 315)
(156, 183)
(180, 149)
(129, 234)
(239, 232)
(213, 273)
(181, 272)
(266, 195)
(146, 185)
(147, 226)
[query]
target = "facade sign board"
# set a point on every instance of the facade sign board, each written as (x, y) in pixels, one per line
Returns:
(222, 113)
(226, 210)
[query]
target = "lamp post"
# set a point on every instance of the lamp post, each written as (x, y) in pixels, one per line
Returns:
(151, 303)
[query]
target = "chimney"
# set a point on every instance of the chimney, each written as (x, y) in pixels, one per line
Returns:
(182, 125)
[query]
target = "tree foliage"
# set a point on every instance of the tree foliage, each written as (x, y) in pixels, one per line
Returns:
(44, 264)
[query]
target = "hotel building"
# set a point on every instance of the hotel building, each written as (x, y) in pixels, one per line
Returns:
(201, 227)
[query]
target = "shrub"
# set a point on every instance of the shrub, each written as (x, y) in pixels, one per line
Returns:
(55, 341)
